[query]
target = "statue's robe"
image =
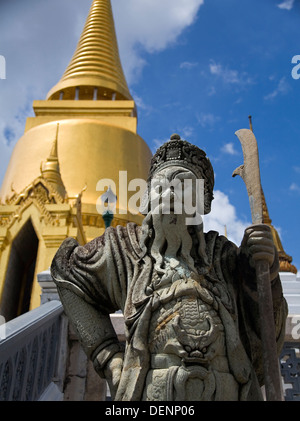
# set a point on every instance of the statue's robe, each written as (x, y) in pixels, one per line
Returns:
(112, 273)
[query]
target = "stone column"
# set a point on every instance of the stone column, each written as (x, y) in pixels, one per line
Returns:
(48, 287)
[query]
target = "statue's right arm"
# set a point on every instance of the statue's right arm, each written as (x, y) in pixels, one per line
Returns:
(92, 285)
(94, 330)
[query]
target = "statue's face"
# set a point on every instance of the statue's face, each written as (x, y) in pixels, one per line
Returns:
(176, 190)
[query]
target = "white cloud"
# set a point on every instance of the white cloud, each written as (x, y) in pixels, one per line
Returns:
(212, 91)
(295, 188)
(150, 26)
(141, 105)
(296, 169)
(229, 149)
(281, 89)
(223, 218)
(186, 132)
(207, 120)
(188, 65)
(229, 76)
(156, 143)
(287, 4)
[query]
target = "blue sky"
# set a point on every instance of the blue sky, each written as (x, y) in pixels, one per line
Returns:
(196, 67)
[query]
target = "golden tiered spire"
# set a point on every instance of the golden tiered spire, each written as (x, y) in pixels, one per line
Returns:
(95, 71)
(285, 260)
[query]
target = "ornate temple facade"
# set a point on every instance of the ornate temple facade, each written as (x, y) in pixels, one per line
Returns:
(83, 132)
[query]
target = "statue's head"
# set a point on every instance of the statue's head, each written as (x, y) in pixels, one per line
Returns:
(170, 228)
(180, 160)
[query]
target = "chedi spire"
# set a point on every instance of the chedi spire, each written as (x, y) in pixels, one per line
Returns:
(95, 70)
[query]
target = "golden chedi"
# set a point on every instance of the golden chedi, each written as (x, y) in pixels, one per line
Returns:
(85, 131)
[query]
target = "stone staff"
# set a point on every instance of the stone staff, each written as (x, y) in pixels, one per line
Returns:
(250, 173)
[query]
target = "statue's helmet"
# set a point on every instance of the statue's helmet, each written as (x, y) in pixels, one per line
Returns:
(179, 152)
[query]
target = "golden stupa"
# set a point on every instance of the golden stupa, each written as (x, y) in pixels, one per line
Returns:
(85, 131)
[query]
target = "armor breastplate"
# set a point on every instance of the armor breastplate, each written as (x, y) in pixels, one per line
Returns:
(187, 341)
(186, 323)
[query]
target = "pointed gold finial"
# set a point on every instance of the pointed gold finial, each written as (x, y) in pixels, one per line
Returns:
(266, 217)
(53, 154)
(285, 261)
(95, 70)
(50, 170)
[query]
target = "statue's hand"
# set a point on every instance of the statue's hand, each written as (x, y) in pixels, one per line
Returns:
(113, 371)
(258, 244)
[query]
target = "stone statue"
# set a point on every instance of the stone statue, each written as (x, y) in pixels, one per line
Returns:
(189, 298)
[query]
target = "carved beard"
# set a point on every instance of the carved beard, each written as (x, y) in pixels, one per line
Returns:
(168, 236)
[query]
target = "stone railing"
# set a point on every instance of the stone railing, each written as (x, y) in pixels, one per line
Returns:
(29, 355)
(290, 370)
